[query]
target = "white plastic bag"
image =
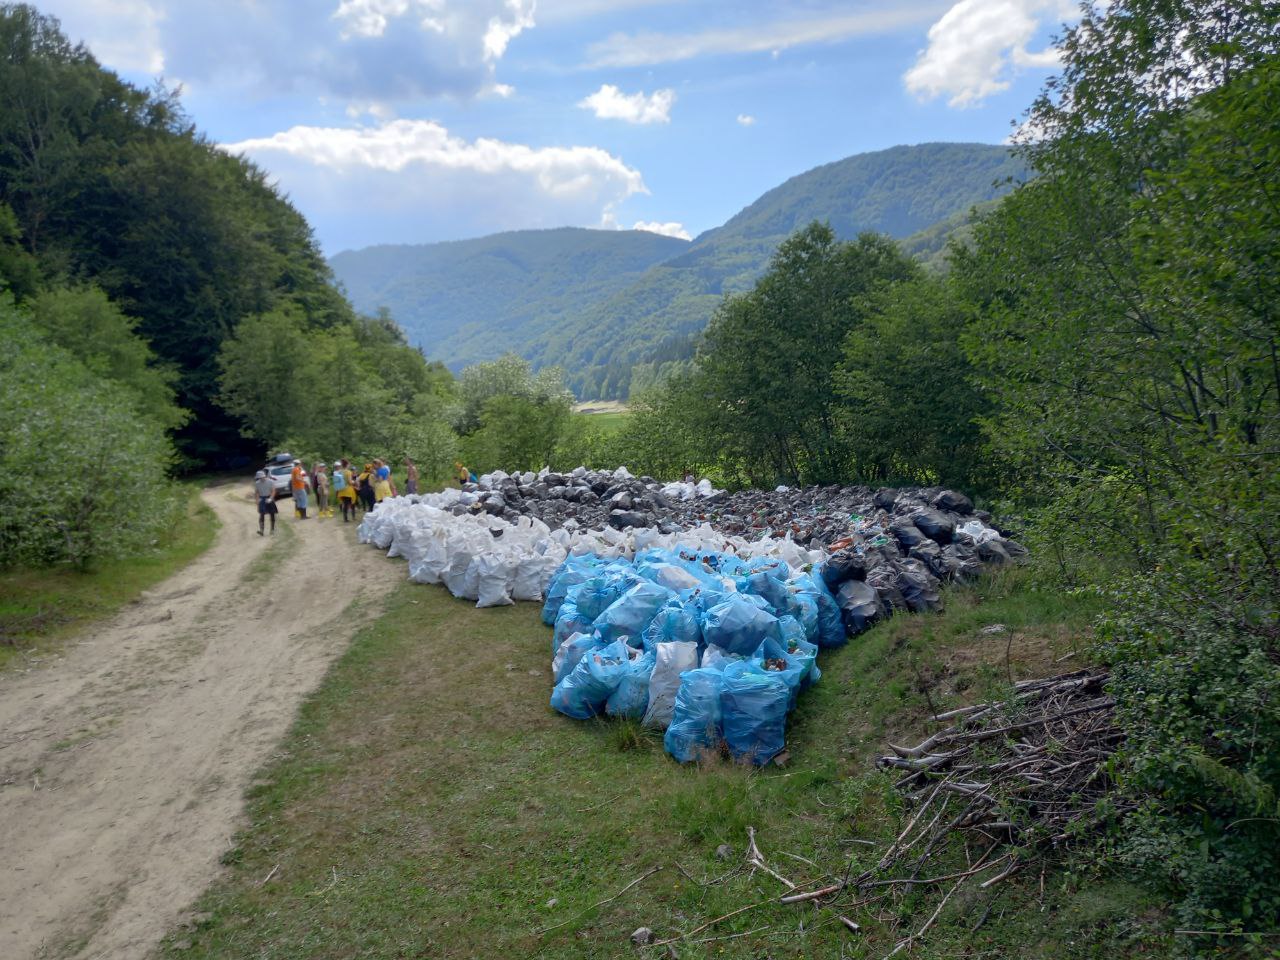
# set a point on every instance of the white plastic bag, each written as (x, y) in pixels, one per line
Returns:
(673, 659)
(493, 575)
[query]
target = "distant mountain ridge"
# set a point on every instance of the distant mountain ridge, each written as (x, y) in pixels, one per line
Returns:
(612, 306)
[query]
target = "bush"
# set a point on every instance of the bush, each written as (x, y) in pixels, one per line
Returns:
(83, 475)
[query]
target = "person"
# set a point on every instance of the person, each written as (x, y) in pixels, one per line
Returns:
(364, 486)
(344, 489)
(266, 493)
(411, 476)
(320, 478)
(464, 475)
(381, 481)
(298, 484)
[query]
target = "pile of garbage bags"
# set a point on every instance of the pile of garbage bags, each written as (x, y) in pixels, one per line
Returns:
(710, 647)
(492, 561)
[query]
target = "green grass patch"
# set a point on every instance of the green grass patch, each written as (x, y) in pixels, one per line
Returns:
(428, 803)
(603, 424)
(40, 608)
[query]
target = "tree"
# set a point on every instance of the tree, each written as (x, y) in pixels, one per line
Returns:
(260, 378)
(83, 475)
(766, 366)
(1125, 323)
(911, 412)
(89, 326)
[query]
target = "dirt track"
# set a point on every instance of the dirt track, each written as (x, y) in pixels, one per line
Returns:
(124, 762)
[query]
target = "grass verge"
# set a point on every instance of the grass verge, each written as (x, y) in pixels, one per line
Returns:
(428, 803)
(40, 608)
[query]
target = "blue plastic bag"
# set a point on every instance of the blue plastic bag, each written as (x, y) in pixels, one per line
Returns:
(594, 595)
(630, 613)
(800, 649)
(568, 622)
(738, 625)
(769, 654)
(695, 729)
(572, 572)
(771, 565)
(631, 698)
(584, 692)
(754, 704)
(804, 607)
(763, 584)
(571, 651)
(671, 623)
(830, 626)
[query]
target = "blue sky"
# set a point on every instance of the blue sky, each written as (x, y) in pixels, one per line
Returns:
(407, 121)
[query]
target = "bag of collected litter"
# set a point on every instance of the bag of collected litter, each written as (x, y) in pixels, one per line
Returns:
(907, 533)
(754, 703)
(738, 626)
(593, 596)
(573, 571)
(631, 699)
(530, 575)
(569, 622)
(432, 560)
(763, 584)
(804, 607)
(801, 651)
(773, 566)
(671, 623)
(841, 567)
(953, 501)
(919, 587)
(570, 652)
(670, 661)
(630, 613)
(773, 657)
(695, 729)
(935, 525)
(717, 658)
(831, 632)
(975, 531)
(494, 573)
(860, 607)
(583, 693)
(962, 562)
(670, 575)
(884, 581)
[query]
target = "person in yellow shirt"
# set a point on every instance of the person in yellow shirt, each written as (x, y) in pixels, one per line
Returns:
(381, 480)
(344, 486)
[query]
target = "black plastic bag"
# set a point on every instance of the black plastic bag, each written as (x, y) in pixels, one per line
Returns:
(935, 525)
(860, 607)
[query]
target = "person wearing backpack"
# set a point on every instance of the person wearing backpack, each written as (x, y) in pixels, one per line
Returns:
(344, 490)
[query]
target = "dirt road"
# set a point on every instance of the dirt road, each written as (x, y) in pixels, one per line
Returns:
(123, 763)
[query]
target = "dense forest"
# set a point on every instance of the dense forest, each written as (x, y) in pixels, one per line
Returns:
(618, 310)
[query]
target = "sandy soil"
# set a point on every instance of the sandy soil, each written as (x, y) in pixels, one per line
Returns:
(123, 763)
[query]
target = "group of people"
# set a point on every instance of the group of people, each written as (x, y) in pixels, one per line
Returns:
(353, 489)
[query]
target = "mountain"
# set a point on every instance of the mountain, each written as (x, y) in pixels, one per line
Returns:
(610, 306)
(470, 300)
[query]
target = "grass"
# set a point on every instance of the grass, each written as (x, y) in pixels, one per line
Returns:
(604, 423)
(428, 803)
(41, 608)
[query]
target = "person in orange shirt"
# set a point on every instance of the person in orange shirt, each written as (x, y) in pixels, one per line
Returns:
(298, 483)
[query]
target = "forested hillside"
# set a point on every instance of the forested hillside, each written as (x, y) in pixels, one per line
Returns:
(453, 298)
(611, 323)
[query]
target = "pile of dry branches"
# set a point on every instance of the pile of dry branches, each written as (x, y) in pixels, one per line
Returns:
(1005, 781)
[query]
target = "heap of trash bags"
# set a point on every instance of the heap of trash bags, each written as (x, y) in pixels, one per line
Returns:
(493, 562)
(703, 612)
(708, 646)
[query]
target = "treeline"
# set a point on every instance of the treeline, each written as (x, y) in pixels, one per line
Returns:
(1105, 351)
(167, 310)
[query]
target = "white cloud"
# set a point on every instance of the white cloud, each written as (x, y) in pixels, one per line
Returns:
(358, 50)
(415, 181)
(610, 103)
(669, 229)
(746, 119)
(976, 44)
(645, 49)
(123, 34)
(501, 31)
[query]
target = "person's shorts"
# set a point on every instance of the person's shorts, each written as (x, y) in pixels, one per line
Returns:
(411, 486)
(266, 506)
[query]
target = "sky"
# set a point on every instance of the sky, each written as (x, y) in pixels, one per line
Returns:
(415, 121)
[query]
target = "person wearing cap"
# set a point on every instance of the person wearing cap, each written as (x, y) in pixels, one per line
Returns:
(266, 493)
(298, 483)
(344, 490)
